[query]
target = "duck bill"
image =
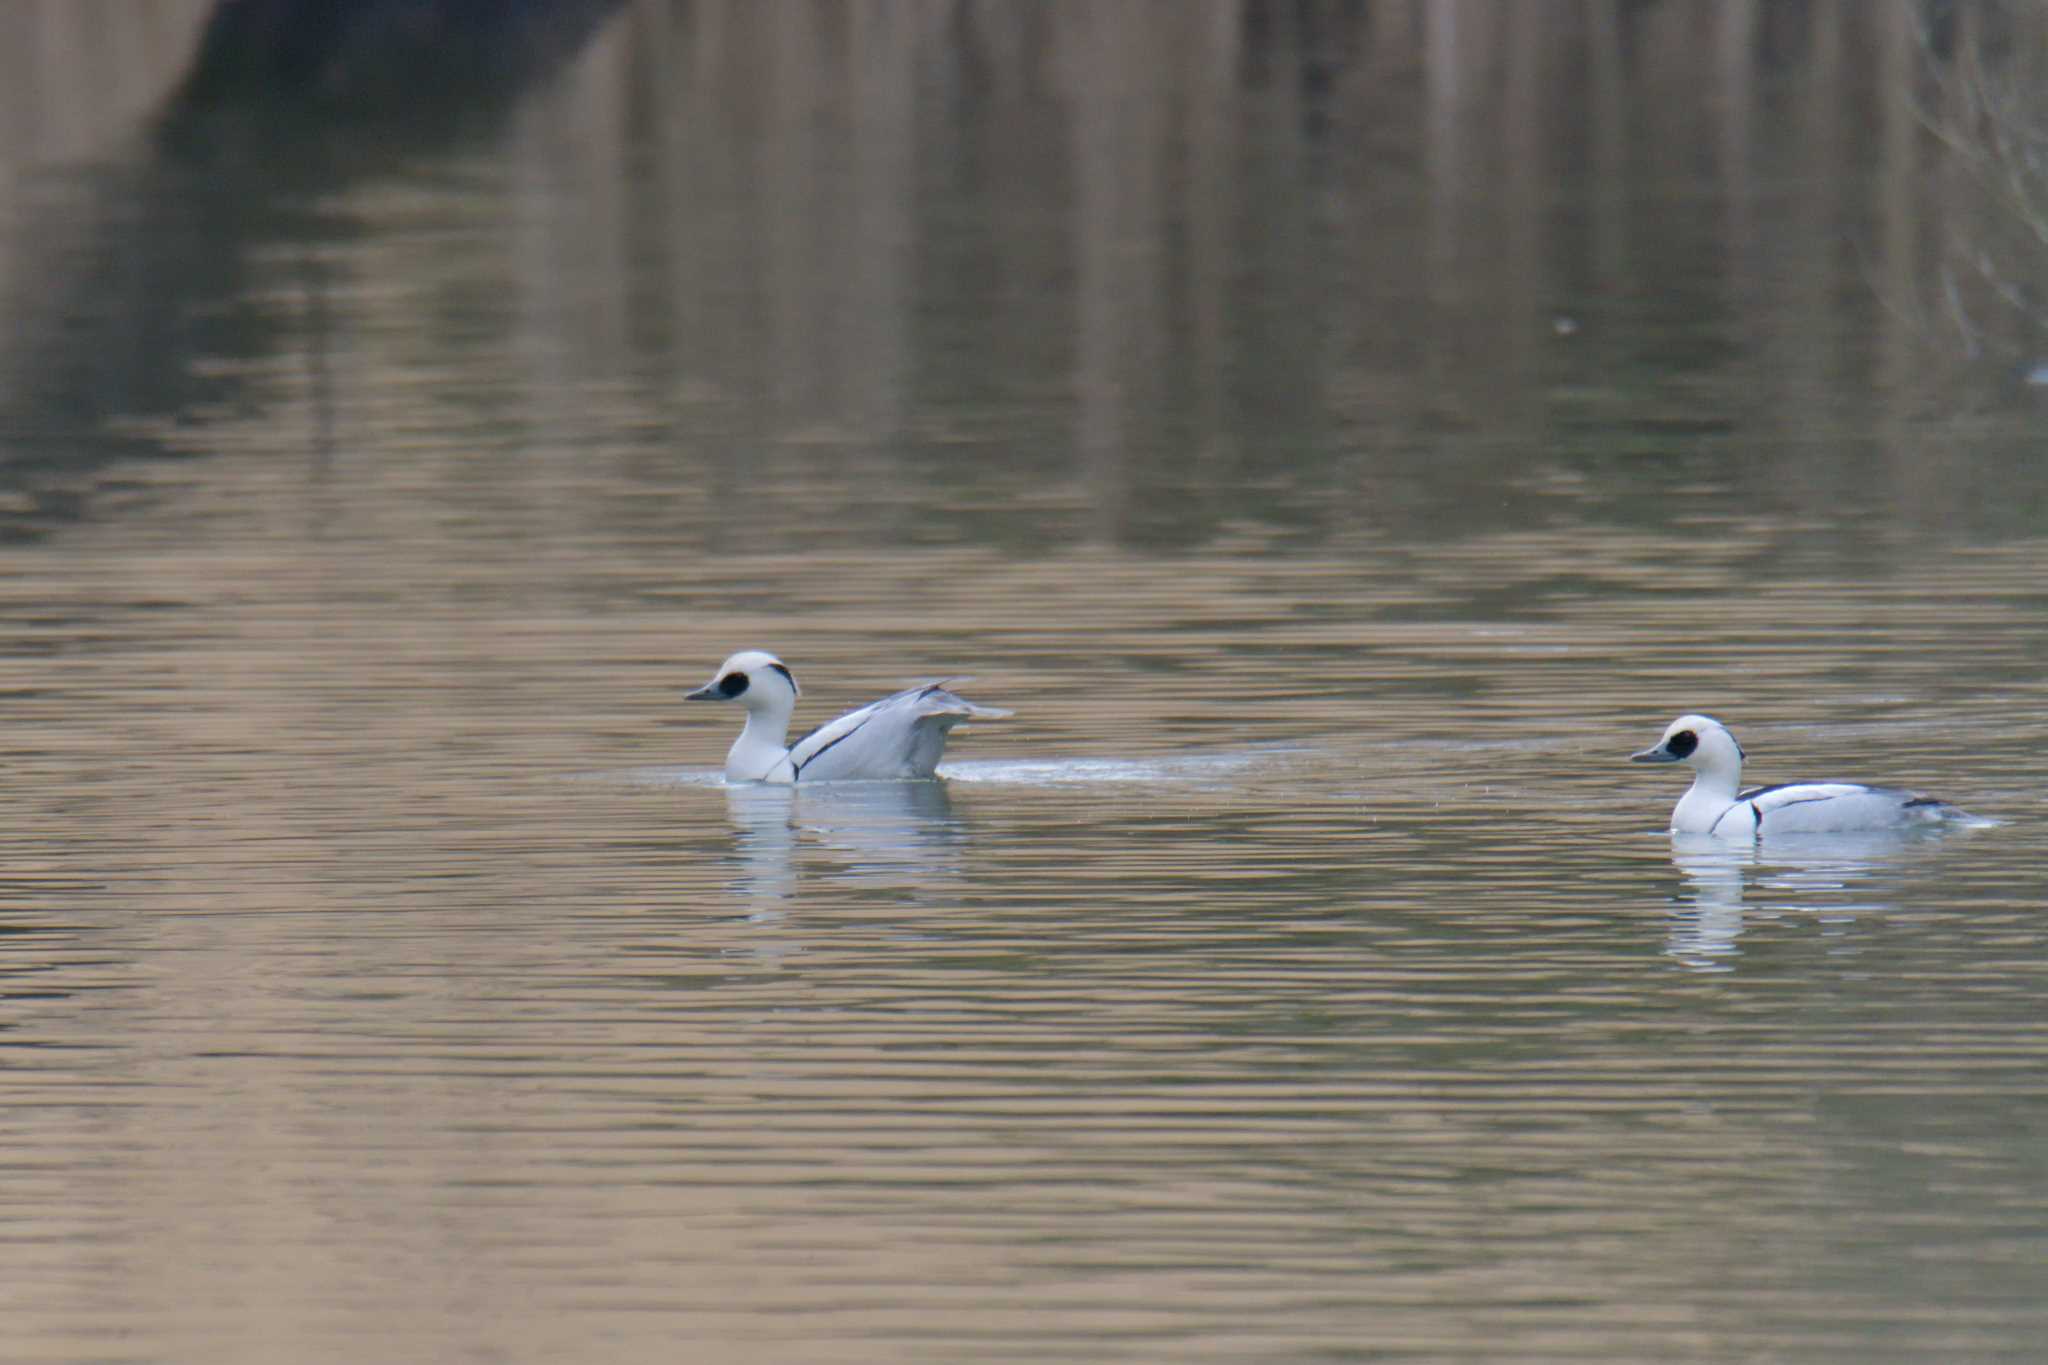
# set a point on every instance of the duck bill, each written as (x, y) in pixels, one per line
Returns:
(704, 693)
(1658, 754)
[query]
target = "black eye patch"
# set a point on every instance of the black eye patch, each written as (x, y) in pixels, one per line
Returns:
(1681, 744)
(731, 685)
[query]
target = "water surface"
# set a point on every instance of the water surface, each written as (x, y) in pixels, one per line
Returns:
(1302, 974)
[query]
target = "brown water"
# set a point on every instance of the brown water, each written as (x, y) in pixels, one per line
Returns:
(385, 973)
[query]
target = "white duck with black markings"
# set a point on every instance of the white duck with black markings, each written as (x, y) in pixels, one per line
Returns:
(899, 737)
(1717, 804)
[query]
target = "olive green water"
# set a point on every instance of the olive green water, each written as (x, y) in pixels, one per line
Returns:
(1341, 444)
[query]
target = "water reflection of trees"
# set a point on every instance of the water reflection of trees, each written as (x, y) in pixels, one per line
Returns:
(141, 283)
(1167, 264)
(1316, 262)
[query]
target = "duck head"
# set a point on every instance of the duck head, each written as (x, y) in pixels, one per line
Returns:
(755, 679)
(1701, 743)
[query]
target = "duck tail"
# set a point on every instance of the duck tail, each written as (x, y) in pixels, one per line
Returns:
(1934, 810)
(941, 700)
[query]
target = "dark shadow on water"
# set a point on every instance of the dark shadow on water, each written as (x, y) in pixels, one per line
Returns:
(366, 78)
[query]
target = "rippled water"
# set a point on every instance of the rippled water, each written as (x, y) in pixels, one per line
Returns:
(386, 972)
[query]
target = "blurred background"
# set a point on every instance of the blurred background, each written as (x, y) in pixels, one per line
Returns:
(1320, 263)
(1341, 429)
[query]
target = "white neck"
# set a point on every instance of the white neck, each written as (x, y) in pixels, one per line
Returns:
(1706, 801)
(1719, 783)
(760, 746)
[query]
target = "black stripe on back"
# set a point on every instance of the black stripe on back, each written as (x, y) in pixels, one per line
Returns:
(918, 692)
(829, 747)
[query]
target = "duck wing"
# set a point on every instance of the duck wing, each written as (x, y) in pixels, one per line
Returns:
(1831, 807)
(900, 736)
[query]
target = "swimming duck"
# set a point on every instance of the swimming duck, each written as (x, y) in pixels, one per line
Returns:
(900, 736)
(1716, 805)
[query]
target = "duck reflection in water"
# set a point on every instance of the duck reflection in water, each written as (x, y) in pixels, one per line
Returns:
(1729, 883)
(901, 834)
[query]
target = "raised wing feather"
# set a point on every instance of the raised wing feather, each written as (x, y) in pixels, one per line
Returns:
(900, 736)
